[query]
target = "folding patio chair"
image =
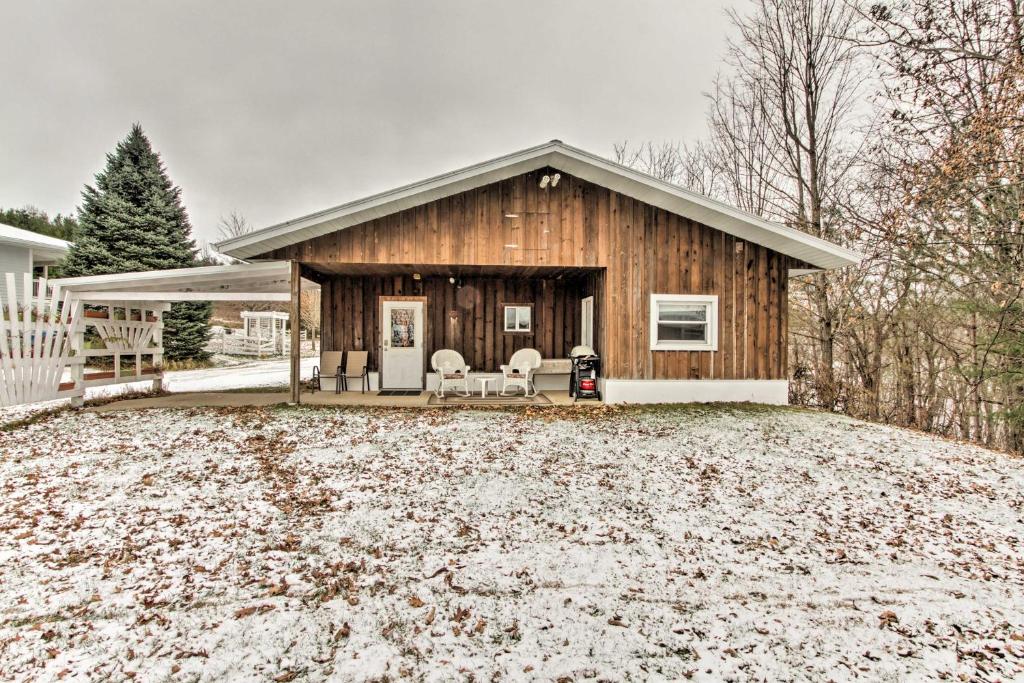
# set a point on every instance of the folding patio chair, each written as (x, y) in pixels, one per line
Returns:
(331, 362)
(355, 366)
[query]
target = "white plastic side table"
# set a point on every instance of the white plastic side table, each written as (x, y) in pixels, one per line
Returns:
(483, 385)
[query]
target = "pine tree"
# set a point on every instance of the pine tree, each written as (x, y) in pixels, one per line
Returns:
(133, 220)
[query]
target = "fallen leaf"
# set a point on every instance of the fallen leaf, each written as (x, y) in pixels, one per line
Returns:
(249, 611)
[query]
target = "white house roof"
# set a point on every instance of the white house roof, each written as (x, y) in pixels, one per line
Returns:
(556, 154)
(262, 281)
(45, 249)
(257, 315)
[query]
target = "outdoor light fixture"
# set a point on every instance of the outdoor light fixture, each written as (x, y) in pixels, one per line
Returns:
(451, 280)
(544, 181)
(555, 178)
(511, 215)
(416, 276)
(511, 246)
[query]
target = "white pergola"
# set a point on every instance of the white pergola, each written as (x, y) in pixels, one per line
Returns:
(265, 323)
(258, 281)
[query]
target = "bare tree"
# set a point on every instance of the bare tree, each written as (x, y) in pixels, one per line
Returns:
(782, 118)
(954, 146)
(309, 312)
(741, 148)
(233, 225)
(663, 161)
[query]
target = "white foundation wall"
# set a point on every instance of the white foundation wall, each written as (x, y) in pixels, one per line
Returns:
(552, 382)
(770, 391)
(354, 383)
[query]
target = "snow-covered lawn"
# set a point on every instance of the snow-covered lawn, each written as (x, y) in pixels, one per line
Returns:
(704, 542)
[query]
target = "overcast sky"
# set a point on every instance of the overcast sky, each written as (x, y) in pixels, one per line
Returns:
(276, 109)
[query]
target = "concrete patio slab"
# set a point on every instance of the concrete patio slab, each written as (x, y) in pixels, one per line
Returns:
(240, 399)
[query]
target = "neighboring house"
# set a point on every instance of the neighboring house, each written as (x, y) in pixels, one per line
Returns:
(684, 298)
(22, 251)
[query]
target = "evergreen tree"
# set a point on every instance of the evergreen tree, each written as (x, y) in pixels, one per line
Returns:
(132, 220)
(36, 220)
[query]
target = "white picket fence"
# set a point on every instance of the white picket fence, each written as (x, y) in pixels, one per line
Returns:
(241, 345)
(236, 343)
(35, 341)
(42, 342)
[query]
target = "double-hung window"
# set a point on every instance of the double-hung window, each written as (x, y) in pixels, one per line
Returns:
(684, 322)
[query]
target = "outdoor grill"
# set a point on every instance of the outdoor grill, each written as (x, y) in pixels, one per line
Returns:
(586, 366)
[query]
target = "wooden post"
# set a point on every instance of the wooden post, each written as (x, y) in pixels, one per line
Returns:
(158, 343)
(295, 377)
(77, 347)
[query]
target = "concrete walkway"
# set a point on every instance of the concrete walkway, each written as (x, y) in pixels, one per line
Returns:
(240, 399)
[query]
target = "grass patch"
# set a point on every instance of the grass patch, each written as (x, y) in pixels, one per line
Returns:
(49, 413)
(268, 389)
(188, 364)
(32, 419)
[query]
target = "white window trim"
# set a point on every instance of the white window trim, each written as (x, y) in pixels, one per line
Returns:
(710, 300)
(517, 329)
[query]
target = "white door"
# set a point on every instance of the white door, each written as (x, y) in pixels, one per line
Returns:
(587, 322)
(402, 346)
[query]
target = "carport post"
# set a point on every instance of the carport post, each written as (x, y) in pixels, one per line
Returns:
(296, 300)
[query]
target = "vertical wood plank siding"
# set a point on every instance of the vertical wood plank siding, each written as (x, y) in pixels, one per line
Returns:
(641, 250)
(467, 318)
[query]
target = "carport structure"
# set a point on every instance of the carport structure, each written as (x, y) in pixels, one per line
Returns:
(130, 319)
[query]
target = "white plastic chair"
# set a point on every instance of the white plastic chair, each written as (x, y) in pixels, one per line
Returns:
(519, 371)
(452, 372)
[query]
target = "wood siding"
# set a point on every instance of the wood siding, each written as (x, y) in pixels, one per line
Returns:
(639, 248)
(466, 317)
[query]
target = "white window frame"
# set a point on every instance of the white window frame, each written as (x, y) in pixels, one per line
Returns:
(518, 308)
(709, 300)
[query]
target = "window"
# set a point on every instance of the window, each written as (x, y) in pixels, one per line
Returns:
(518, 318)
(684, 322)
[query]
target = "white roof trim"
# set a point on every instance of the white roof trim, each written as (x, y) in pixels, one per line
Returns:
(262, 281)
(45, 249)
(818, 252)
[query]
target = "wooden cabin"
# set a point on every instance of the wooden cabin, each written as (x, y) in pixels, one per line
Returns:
(684, 298)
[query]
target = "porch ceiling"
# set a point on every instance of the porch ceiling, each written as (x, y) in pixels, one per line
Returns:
(445, 270)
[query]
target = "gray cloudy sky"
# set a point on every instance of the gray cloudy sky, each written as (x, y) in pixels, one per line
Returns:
(276, 109)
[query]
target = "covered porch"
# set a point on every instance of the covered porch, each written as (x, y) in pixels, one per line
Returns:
(400, 315)
(484, 313)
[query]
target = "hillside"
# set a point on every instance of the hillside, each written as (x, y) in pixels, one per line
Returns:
(711, 542)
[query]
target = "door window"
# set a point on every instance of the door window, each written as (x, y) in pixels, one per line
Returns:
(403, 328)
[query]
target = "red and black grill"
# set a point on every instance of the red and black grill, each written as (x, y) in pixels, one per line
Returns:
(586, 367)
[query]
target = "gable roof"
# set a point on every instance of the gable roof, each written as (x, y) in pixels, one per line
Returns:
(577, 162)
(45, 249)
